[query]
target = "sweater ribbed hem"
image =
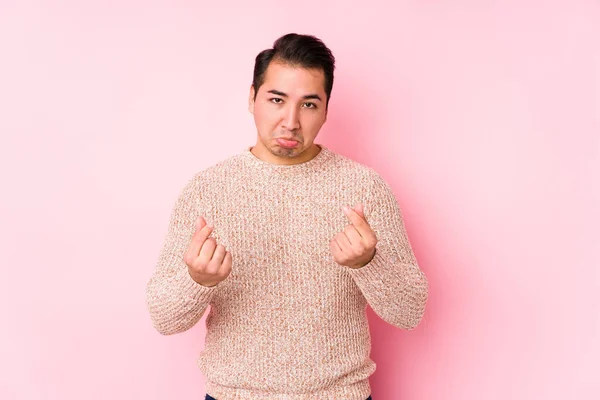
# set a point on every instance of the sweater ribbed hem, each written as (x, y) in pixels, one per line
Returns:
(374, 271)
(410, 284)
(315, 164)
(193, 289)
(358, 391)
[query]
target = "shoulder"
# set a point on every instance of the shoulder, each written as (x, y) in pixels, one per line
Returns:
(365, 178)
(360, 173)
(217, 173)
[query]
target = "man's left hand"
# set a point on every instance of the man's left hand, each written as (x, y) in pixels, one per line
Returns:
(354, 247)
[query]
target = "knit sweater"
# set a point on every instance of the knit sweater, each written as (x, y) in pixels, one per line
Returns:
(288, 322)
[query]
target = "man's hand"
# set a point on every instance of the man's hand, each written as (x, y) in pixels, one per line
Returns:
(354, 247)
(208, 263)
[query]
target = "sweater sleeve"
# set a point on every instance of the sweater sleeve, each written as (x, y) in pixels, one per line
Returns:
(175, 301)
(392, 282)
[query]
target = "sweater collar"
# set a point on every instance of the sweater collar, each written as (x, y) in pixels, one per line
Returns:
(314, 164)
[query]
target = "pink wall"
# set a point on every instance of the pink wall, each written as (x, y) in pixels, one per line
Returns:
(483, 115)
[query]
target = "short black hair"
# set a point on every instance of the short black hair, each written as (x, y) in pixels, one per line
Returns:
(305, 51)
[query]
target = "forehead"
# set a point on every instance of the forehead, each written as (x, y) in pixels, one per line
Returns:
(293, 80)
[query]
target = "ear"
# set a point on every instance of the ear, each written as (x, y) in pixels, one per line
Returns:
(251, 100)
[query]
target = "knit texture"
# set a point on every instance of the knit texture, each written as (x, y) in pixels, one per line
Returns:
(289, 322)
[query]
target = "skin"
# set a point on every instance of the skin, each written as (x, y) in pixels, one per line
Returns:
(208, 262)
(354, 247)
(290, 104)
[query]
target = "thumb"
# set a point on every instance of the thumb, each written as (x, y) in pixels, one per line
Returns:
(200, 223)
(360, 210)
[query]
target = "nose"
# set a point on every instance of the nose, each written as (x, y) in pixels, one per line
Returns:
(290, 119)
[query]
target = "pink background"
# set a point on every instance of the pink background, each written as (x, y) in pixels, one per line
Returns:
(484, 116)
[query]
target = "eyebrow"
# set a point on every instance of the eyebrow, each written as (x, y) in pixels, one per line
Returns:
(308, 96)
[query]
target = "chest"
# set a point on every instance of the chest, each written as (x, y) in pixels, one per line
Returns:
(280, 220)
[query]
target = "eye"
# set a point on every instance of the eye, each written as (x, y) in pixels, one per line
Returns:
(309, 105)
(276, 100)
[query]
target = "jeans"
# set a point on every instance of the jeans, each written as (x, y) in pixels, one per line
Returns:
(208, 397)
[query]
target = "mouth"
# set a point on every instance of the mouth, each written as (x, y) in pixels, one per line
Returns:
(287, 143)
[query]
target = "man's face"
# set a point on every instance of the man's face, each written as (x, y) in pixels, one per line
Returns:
(289, 111)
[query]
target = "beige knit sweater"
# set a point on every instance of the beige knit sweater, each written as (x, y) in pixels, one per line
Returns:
(289, 322)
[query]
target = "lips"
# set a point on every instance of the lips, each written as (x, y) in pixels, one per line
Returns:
(288, 143)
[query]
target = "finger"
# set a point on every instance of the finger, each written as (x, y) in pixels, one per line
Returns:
(336, 251)
(344, 243)
(196, 243)
(225, 269)
(360, 210)
(353, 236)
(207, 251)
(218, 256)
(200, 237)
(359, 222)
(200, 223)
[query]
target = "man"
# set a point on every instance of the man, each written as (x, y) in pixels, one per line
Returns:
(287, 242)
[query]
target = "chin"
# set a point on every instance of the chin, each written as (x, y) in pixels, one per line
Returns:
(287, 153)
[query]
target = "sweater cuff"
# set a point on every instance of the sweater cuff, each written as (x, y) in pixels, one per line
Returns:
(192, 289)
(377, 270)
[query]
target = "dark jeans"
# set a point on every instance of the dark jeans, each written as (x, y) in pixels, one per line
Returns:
(208, 397)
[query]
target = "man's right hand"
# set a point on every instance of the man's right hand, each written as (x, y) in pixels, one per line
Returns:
(208, 263)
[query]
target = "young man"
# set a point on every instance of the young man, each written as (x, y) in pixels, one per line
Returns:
(288, 242)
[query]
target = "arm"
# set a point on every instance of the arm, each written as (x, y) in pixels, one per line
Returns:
(392, 282)
(175, 301)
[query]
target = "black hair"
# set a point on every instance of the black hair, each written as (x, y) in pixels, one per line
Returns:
(305, 51)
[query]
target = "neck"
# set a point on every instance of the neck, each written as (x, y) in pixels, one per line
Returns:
(265, 155)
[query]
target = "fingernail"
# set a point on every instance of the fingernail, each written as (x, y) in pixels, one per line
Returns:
(346, 209)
